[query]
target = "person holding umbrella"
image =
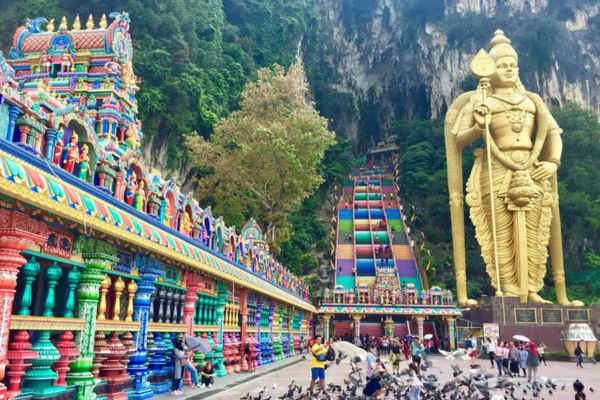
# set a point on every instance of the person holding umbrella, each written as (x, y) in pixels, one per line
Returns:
(192, 344)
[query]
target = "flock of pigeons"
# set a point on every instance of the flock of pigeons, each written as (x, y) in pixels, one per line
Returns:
(472, 384)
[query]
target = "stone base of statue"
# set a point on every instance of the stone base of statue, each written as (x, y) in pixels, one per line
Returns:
(558, 327)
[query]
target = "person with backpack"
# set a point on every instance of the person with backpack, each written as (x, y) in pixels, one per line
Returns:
(317, 364)
(179, 359)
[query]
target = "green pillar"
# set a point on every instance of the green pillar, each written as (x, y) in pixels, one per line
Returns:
(222, 294)
(97, 255)
(31, 270)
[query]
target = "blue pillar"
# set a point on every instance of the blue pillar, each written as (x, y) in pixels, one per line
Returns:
(51, 138)
(13, 114)
(150, 269)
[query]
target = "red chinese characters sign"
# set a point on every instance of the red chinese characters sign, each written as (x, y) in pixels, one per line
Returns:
(59, 244)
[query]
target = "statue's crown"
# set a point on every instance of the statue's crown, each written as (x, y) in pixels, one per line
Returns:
(500, 46)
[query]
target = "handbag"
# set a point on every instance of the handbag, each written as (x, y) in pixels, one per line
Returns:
(320, 357)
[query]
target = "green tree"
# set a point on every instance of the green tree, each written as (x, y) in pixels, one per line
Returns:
(268, 152)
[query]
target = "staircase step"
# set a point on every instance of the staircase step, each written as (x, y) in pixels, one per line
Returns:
(402, 252)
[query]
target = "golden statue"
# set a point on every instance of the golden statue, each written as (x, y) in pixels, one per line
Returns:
(518, 172)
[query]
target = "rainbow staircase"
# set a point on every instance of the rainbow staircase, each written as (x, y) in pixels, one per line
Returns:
(368, 199)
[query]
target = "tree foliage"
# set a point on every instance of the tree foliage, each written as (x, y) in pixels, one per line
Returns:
(268, 152)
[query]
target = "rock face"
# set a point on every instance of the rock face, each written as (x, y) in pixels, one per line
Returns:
(395, 59)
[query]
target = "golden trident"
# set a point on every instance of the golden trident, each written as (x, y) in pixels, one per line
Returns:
(483, 66)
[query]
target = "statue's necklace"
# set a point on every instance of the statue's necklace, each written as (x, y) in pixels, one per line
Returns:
(517, 113)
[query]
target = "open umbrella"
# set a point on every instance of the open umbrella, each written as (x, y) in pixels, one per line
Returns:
(521, 338)
(428, 336)
(196, 343)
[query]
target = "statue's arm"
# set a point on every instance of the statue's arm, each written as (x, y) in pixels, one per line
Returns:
(553, 147)
(468, 131)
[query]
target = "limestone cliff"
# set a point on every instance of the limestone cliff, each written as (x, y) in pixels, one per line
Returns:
(393, 59)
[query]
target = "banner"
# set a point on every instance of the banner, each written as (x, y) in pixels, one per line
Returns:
(491, 331)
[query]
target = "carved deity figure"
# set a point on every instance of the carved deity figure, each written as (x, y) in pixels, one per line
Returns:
(84, 163)
(71, 153)
(512, 196)
(67, 61)
(58, 149)
(45, 62)
(168, 215)
(140, 197)
(131, 188)
(186, 225)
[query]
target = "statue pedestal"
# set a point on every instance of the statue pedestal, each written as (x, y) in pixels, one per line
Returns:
(539, 322)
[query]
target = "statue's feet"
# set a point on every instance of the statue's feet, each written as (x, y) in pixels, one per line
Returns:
(469, 303)
(574, 303)
(536, 298)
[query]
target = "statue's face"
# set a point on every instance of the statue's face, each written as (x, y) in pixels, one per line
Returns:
(507, 73)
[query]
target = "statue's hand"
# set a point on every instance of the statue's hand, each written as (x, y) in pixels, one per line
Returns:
(479, 113)
(544, 170)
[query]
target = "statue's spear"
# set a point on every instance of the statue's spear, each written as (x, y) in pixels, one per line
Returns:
(483, 66)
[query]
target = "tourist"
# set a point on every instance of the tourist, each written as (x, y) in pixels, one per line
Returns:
(250, 356)
(395, 357)
(443, 345)
(374, 388)
(579, 354)
(188, 366)
(380, 249)
(472, 350)
(372, 360)
(208, 375)
(415, 382)
(578, 388)
(317, 365)
(358, 342)
(376, 238)
(523, 353)
(179, 359)
(417, 352)
(513, 358)
(491, 348)
(407, 348)
(505, 356)
(498, 356)
(540, 350)
(385, 345)
(532, 363)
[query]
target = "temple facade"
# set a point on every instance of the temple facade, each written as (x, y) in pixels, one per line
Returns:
(102, 261)
(379, 288)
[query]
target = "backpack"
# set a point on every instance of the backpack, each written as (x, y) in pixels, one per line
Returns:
(330, 356)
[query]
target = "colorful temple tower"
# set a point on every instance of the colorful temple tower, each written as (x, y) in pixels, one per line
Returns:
(103, 261)
(378, 287)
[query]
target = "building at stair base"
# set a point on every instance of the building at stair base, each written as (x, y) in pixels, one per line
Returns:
(378, 288)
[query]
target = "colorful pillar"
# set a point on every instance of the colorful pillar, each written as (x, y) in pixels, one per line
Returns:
(17, 232)
(326, 319)
(356, 319)
(222, 293)
(51, 138)
(193, 283)
(420, 321)
(243, 334)
(150, 269)
(13, 114)
(97, 255)
(450, 321)
(271, 314)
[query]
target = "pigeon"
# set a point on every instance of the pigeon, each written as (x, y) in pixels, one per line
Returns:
(592, 390)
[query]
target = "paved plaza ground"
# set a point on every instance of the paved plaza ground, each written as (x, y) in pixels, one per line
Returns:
(282, 373)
